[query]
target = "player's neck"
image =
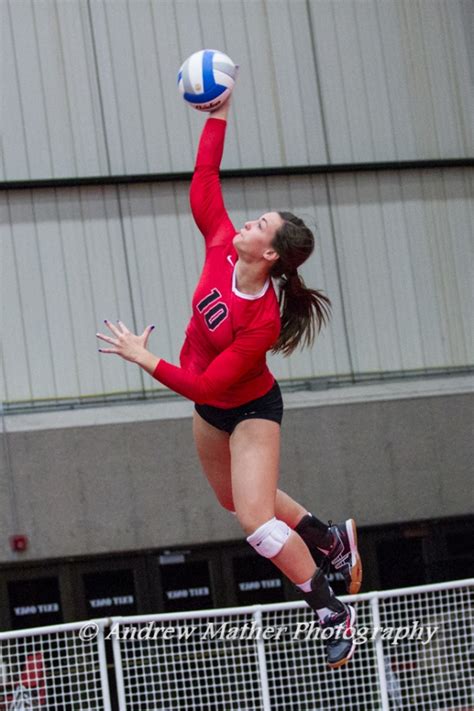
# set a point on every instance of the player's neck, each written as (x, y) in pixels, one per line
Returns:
(250, 277)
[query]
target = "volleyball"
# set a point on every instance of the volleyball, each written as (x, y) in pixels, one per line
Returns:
(206, 79)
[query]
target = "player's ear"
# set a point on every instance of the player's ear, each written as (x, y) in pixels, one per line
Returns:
(271, 255)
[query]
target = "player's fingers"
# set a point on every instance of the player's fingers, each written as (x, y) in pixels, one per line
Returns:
(113, 328)
(146, 334)
(107, 339)
(147, 331)
(123, 327)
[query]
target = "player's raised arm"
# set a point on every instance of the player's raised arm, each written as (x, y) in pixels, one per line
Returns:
(207, 203)
(206, 80)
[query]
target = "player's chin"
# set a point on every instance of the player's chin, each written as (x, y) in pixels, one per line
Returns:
(237, 239)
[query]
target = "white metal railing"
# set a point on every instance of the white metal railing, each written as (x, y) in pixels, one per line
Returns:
(53, 668)
(415, 649)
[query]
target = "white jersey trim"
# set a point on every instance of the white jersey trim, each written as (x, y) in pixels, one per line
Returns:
(250, 297)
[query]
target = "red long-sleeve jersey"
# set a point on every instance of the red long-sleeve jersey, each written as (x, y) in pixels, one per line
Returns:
(223, 358)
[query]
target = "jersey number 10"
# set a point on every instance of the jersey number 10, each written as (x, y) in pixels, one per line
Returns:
(214, 313)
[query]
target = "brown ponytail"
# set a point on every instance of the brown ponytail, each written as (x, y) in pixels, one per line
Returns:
(303, 311)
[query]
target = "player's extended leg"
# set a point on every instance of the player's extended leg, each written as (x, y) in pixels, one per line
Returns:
(336, 544)
(214, 454)
(213, 447)
(255, 453)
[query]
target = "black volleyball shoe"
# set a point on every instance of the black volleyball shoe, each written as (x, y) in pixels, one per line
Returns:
(344, 556)
(337, 633)
(337, 628)
(334, 546)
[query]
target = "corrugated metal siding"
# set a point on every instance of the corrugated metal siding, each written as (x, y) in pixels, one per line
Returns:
(391, 253)
(404, 241)
(51, 119)
(139, 53)
(63, 270)
(394, 79)
(91, 86)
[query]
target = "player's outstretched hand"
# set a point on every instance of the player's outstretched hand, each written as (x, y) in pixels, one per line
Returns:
(125, 344)
(222, 111)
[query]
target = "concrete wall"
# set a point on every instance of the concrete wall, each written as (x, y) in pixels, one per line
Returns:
(124, 486)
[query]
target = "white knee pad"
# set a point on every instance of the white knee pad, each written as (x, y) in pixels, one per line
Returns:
(270, 537)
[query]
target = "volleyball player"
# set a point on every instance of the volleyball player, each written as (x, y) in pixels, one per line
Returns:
(236, 318)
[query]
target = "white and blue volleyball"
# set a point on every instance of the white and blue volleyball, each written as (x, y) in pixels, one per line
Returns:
(206, 79)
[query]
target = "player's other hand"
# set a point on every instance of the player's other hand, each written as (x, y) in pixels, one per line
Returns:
(125, 343)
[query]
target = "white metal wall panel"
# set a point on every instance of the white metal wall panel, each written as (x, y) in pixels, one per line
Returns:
(284, 24)
(90, 87)
(404, 273)
(159, 253)
(392, 253)
(13, 152)
(51, 113)
(63, 271)
(24, 68)
(140, 48)
(456, 214)
(395, 79)
(124, 86)
(71, 245)
(14, 356)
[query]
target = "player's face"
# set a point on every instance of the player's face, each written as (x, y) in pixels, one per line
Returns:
(256, 236)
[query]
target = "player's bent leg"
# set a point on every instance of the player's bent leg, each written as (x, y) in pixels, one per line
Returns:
(288, 510)
(338, 543)
(271, 540)
(214, 454)
(337, 619)
(255, 463)
(332, 546)
(255, 460)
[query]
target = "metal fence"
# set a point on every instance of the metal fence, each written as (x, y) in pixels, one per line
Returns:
(415, 652)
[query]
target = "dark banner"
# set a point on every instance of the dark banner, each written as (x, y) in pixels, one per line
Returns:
(34, 603)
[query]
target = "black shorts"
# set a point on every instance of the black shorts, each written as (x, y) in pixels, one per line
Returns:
(267, 407)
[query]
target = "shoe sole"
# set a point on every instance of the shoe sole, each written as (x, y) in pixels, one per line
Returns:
(343, 661)
(356, 563)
